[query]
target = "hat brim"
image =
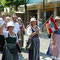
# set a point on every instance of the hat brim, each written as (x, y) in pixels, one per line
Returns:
(33, 21)
(9, 26)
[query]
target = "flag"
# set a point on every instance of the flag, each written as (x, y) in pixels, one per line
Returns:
(48, 29)
(51, 25)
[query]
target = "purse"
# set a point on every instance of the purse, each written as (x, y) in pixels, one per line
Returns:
(12, 50)
(29, 44)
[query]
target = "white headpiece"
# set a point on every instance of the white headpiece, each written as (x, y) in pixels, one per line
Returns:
(33, 19)
(10, 24)
(19, 18)
(57, 18)
(7, 17)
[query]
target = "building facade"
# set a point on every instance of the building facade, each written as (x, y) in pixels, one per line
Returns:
(35, 8)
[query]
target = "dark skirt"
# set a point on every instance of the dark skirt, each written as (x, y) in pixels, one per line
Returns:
(7, 55)
(35, 48)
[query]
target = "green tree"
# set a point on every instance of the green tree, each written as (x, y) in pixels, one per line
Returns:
(12, 3)
(1, 6)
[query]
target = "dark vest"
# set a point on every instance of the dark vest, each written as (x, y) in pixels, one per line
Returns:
(11, 40)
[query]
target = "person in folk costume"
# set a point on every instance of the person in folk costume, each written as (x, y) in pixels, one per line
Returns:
(16, 29)
(22, 30)
(55, 43)
(11, 41)
(33, 33)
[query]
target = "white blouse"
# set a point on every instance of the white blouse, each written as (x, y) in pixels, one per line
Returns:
(29, 31)
(5, 33)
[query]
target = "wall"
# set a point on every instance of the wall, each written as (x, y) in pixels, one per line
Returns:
(34, 1)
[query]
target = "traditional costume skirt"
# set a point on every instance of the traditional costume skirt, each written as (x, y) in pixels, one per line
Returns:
(55, 49)
(35, 48)
(11, 55)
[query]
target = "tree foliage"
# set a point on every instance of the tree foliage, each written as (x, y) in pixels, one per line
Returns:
(15, 3)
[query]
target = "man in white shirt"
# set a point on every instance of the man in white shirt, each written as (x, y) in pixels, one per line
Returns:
(16, 28)
(16, 25)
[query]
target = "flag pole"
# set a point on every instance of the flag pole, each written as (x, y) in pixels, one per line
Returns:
(46, 21)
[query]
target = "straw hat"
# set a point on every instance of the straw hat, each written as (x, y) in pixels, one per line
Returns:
(33, 19)
(57, 18)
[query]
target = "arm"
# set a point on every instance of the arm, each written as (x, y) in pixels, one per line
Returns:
(19, 35)
(1, 28)
(52, 35)
(37, 32)
(17, 41)
(33, 34)
(29, 32)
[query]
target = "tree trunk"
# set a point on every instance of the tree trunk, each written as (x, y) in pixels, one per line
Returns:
(16, 5)
(25, 14)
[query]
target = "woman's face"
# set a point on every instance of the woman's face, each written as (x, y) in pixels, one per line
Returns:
(7, 20)
(19, 21)
(57, 21)
(11, 28)
(33, 22)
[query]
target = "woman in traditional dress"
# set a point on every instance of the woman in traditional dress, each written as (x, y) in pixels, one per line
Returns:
(10, 49)
(55, 44)
(22, 31)
(33, 33)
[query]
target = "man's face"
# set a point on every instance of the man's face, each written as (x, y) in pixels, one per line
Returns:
(3, 16)
(14, 18)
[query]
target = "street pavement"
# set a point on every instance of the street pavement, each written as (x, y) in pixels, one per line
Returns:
(44, 43)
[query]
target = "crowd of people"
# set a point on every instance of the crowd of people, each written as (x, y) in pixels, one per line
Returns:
(12, 32)
(11, 36)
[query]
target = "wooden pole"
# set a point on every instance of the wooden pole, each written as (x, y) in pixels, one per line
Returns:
(47, 20)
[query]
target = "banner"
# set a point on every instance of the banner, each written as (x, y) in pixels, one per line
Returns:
(51, 25)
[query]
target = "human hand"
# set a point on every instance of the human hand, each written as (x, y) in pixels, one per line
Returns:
(37, 31)
(53, 42)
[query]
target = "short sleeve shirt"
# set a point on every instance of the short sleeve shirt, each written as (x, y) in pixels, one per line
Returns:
(16, 27)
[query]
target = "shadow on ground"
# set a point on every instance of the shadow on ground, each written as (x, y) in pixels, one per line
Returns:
(44, 56)
(24, 50)
(21, 57)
